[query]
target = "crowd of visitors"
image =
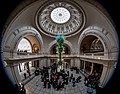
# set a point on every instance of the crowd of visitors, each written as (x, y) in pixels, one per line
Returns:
(51, 77)
(92, 82)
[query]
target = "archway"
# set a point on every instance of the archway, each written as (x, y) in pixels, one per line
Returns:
(91, 44)
(27, 45)
(24, 47)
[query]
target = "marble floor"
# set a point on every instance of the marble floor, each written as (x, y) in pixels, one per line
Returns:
(34, 85)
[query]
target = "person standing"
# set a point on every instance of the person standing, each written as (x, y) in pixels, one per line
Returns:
(71, 77)
(25, 76)
(73, 81)
(49, 84)
(66, 65)
(45, 83)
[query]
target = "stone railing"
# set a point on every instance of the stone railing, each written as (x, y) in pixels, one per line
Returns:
(9, 54)
(98, 55)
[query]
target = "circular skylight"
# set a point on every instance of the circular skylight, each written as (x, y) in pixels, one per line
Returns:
(60, 15)
(60, 18)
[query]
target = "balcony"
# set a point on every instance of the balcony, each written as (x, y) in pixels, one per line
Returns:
(27, 56)
(16, 55)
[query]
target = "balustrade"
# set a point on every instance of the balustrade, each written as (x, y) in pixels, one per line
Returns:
(11, 54)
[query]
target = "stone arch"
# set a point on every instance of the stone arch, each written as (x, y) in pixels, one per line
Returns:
(66, 42)
(99, 33)
(15, 37)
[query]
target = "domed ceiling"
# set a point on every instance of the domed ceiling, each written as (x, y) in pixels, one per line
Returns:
(60, 18)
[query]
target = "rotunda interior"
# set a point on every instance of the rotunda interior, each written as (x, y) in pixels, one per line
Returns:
(29, 48)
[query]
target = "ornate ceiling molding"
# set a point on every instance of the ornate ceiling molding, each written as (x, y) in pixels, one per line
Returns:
(66, 18)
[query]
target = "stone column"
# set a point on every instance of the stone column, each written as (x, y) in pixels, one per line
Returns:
(32, 63)
(28, 68)
(103, 75)
(37, 61)
(83, 66)
(107, 72)
(43, 62)
(77, 63)
(20, 68)
(13, 73)
(48, 61)
(91, 68)
(72, 63)
(16, 73)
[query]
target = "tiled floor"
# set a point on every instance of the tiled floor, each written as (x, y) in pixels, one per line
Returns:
(35, 86)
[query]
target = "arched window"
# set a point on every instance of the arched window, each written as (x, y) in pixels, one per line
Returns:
(24, 46)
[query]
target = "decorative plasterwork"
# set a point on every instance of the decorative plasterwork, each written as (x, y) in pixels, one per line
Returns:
(99, 33)
(14, 38)
(60, 18)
